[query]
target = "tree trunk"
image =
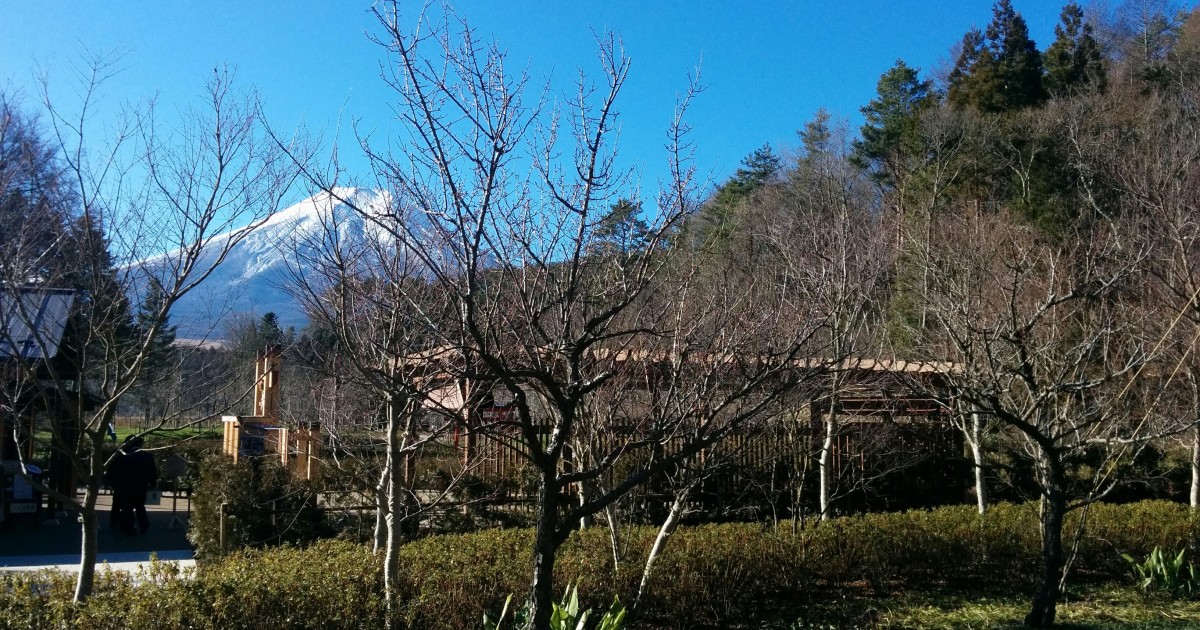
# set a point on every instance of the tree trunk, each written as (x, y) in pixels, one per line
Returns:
(582, 494)
(1054, 507)
(394, 508)
(88, 545)
(825, 463)
(541, 597)
(381, 511)
(660, 542)
(981, 494)
(1195, 494)
(799, 475)
(614, 535)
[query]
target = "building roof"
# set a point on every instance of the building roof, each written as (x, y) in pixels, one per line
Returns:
(32, 321)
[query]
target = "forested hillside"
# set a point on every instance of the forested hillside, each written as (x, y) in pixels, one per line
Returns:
(1028, 215)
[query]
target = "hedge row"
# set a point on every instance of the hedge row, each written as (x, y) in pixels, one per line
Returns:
(709, 575)
(714, 574)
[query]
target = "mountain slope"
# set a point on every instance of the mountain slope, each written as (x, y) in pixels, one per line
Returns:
(253, 277)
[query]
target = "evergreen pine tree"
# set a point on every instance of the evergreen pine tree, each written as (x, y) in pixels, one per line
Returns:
(999, 70)
(1074, 59)
(1019, 61)
(35, 203)
(817, 151)
(892, 122)
(718, 216)
(161, 343)
(965, 77)
(103, 302)
(757, 169)
(269, 332)
(159, 365)
(622, 230)
(815, 137)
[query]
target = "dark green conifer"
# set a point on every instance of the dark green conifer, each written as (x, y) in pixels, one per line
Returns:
(160, 344)
(1000, 69)
(159, 366)
(718, 217)
(1074, 60)
(816, 136)
(891, 119)
(622, 230)
(963, 78)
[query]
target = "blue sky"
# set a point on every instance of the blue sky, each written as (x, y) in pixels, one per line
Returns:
(767, 66)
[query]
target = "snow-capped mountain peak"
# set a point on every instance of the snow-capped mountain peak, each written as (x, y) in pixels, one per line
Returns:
(256, 271)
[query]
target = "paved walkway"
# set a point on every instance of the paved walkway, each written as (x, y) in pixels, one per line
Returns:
(130, 561)
(28, 543)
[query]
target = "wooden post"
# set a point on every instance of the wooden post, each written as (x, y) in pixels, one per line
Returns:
(221, 519)
(266, 384)
(231, 436)
(308, 455)
(284, 446)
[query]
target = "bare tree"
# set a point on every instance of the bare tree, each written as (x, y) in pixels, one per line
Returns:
(1044, 339)
(508, 198)
(684, 416)
(368, 293)
(159, 203)
(828, 249)
(1157, 173)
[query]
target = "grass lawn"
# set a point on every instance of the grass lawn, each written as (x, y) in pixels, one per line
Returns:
(161, 435)
(1101, 606)
(172, 434)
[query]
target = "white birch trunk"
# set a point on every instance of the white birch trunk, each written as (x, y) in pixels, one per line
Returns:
(825, 464)
(614, 535)
(1194, 501)
(88, 548)
(581, 492)
(981, 494)
(660, 542)
(381, 511)
(391, 558)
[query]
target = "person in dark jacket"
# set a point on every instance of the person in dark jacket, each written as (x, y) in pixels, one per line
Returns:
(131, 472)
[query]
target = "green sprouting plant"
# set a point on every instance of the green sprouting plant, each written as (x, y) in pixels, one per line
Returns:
(614, 617)
(1159, 572)
(520, 616)
(564, 616)
(567, 615)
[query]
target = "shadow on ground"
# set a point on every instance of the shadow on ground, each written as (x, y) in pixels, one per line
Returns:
(29, 535)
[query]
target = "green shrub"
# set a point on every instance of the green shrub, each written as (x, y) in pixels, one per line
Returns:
(263, 506)
(160, 597)
(331, 584)
(1131, 528)
(450, 581)
(711, 575)
(718, 572)
(35, 600)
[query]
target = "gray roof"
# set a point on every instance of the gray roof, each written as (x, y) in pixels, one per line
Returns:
(33, 320)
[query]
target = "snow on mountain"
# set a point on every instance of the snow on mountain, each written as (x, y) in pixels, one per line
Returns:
(253, 277)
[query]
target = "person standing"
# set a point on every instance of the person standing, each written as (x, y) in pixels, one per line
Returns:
(131, 473)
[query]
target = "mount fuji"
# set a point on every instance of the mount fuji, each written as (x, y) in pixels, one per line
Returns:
(253, 278)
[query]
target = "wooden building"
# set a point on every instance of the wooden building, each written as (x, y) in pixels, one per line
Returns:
(891, 448)
(263, 434)
(41, 391)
